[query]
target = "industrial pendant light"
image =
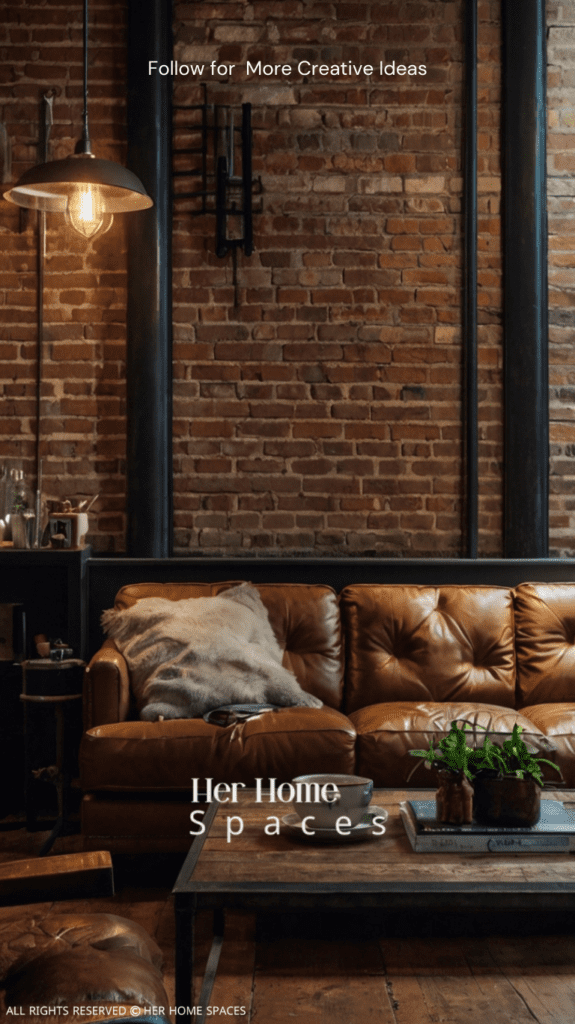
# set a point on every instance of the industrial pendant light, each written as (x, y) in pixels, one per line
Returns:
(87, 190)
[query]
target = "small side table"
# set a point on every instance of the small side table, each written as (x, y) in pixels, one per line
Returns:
(46, 684)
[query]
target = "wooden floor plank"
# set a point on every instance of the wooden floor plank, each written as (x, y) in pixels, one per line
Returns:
(461, 1000)
(234, 980)
(535, 953)
(541, 969)
(424, 956)
(547, 993)
(342, 1000)
(408, 1001)
(308, 957)
(165, 936)
(316, 982)
(439, 980)
(550, 999)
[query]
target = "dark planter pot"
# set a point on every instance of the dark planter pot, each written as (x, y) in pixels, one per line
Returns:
(454, 798)
(509, 802)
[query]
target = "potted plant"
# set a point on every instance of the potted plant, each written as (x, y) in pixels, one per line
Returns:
(507, 779)
(508, 782)
(452, 760)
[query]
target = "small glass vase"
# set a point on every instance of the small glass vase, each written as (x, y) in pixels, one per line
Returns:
(454, 798)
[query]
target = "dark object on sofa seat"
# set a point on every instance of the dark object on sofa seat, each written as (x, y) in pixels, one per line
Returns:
(229, 714)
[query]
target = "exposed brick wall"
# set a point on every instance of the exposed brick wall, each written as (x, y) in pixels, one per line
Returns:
(323, 414)
(85, 283)
(561, 211)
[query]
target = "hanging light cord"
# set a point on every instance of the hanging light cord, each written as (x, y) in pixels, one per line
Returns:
(84, 144)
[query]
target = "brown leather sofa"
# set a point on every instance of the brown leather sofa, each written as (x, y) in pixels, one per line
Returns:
(393, 664)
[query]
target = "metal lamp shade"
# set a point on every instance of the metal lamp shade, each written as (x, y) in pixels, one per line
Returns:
(49, 186)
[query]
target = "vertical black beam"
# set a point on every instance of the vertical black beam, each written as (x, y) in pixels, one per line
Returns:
(470, 390)
(222, 246)
(247, 178)
(149, 349)
(525, 252)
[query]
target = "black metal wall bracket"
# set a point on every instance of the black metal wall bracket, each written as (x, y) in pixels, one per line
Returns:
(217, 146)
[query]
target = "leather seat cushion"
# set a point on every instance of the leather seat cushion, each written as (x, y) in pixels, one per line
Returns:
(305, 620)
(387, 732)
(557, 722)
(165, 756)
(419, 643)
(77, 959)
(545, 627)
(84, 976)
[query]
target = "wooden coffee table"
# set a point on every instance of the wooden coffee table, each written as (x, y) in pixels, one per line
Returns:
(255, 871)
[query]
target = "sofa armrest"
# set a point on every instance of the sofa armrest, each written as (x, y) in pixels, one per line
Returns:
(106, 687)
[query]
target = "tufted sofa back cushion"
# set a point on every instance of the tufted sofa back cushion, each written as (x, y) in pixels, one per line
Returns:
(545, 641)
(418, 643)
(305, 620)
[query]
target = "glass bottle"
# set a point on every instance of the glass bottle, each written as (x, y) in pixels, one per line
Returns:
(20, 493)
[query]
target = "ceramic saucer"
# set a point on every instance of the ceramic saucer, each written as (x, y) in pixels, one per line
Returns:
(366, 829)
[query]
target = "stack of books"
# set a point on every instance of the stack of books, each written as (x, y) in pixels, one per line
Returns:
(553, 833)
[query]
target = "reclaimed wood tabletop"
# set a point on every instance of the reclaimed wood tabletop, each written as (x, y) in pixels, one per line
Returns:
(237, 849)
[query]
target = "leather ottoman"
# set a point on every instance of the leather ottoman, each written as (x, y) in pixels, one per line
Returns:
(50, 959)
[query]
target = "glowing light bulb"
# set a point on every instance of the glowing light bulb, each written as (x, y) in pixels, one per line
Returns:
(85, 211)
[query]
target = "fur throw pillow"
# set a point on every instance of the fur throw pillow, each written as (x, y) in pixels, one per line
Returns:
(187, 657)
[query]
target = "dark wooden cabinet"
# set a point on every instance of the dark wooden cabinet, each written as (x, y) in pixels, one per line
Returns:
(11, 739)
(52, 586)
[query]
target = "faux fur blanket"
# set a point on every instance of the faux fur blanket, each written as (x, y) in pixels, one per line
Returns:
(187, 657)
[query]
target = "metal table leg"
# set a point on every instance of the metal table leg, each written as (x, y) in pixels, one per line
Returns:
(185, 907)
